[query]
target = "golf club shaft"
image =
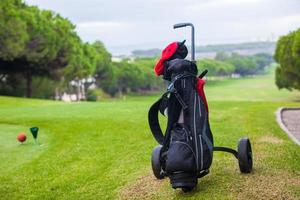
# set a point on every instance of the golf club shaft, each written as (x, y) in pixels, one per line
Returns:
(181, 25)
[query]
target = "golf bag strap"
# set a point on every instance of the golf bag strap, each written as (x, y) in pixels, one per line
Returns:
(154, 122)
(161, 105)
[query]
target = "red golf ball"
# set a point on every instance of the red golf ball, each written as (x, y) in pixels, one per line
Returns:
(21, 137)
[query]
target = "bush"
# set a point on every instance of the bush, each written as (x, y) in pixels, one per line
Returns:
(215, 67)
(131, 76)
(43, 87)
(92, 95)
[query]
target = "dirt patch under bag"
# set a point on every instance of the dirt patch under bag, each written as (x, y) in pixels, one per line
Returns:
(143, 188)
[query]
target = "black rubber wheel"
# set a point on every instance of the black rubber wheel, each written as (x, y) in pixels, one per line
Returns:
(155, 161)
(187, 189)
(245, 155)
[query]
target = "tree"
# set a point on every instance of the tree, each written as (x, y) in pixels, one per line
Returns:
(132, 76)
(262, 60)
(34, 42)
(222, 56)
(287, 54)
(110, 84)
(13, 34)
(149, 79)
(243, 65)
(215, 68)
(103, 70)
(81, 66)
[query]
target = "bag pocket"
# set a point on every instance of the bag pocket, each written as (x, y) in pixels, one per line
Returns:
(180, 156)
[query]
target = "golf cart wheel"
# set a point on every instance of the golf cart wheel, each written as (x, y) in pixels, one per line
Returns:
(155, 160)
(187, 189)
(245, 155)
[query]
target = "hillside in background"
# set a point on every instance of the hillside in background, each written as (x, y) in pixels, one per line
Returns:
(146, 53)
(209, 51)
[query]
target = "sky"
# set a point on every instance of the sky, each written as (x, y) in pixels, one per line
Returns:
(126, 25)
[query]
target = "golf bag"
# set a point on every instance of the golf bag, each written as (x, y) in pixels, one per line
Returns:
(186, 149)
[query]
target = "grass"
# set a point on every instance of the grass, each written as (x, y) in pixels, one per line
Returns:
(102, 150)
(260, 88)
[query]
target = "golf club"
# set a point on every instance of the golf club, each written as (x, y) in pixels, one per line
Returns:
(181, 25)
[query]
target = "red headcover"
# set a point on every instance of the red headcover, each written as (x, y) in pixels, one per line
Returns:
(167, 53)
(199, 87)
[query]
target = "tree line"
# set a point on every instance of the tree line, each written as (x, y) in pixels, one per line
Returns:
(131, 76)
(42, 56)
(38, 43)
(138, 76)
(225, 64)
(267, 46)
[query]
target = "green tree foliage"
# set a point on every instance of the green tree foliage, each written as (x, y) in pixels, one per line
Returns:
(88, 60)
(244, 65)
(39, 48)
(82, 62)
(215, 67)
(103, 70)
(13, 34)
(149, 80)
(262, 60)
(287, 54)
(43, 87)
(13, 85)
(225, 64)
(222, 56)
(40, 43)
(250, 65)
(34, 42)
(132, 76)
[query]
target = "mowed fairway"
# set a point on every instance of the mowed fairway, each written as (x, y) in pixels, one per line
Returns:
(102, 150)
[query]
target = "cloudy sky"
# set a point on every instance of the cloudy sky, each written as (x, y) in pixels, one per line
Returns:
(125, 25)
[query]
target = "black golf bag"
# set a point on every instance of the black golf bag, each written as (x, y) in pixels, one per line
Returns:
(186, 148)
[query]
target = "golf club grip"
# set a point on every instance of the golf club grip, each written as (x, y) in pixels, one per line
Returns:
(203, 73)
(180, 25)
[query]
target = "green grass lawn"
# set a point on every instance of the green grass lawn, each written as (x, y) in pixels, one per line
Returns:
(102, 150)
